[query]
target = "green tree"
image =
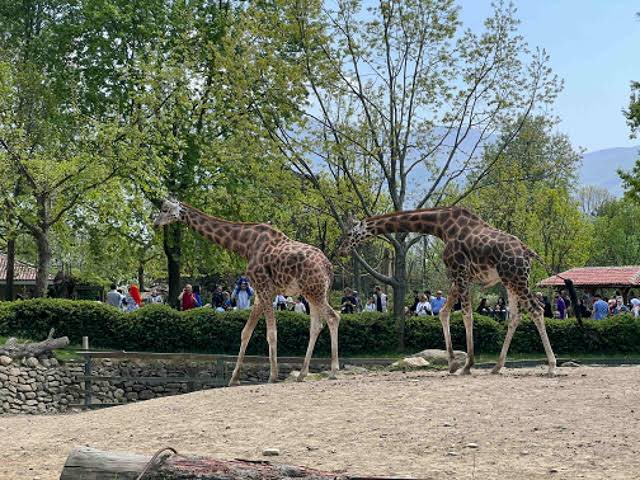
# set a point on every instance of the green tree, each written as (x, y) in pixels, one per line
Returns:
(399, 88)
(616, 238)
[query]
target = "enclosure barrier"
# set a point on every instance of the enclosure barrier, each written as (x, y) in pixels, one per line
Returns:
(221, 378)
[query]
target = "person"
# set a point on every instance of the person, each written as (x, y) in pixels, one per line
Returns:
(381, 299)
(217, 299)
(291, 304)
(300, 307)
(280, 302)
(567, 303)
(155, 296)
(187, 298)
(437, 302)
(600, 307)
(114, 297)
(612, 305)
(197, 296)
(416, 300)
(548, 311)
(242, 294)
(483, 308)
(561, 307)
(133, 300)
(635, 307)
(371, 305)
(582, 307)
(620, 306)
(424, 306)
(348, 303)
(500, 310)
(225, 304)
(356, 295)
(306, 304)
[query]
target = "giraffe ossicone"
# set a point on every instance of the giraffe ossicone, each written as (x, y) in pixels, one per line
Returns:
(275, 264)
(474, 252)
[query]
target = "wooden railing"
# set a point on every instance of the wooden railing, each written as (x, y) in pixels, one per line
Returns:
(221, 378)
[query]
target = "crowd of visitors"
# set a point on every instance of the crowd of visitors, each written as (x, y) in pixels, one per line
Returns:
(351, 302)
(242, 296)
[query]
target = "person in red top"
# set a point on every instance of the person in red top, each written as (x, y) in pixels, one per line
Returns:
(187, 298)
(134, 291)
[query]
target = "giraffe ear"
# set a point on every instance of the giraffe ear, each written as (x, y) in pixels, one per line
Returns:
(351, 221)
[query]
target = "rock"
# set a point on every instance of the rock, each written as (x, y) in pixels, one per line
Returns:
(354, 370)
(472, 445)
(271, 452)
(570, 364)
(441, 357)
(446, 424)
(453, 453)
(4, 360)
(553, 470)
(32, 362)
(410, 363)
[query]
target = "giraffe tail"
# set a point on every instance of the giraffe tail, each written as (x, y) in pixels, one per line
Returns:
(567, 283)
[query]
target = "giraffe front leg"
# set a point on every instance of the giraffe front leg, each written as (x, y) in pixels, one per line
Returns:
(468, 326)
(315, 327)
(514, 319)
(444, 313)
(245, 336)
(272, 340)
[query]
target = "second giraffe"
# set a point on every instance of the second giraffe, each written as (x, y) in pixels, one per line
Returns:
(474, 252)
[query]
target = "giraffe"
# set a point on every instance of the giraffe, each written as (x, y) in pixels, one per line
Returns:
(474, 252)
(275, 263)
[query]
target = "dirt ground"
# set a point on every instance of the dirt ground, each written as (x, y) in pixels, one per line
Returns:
(585, 423)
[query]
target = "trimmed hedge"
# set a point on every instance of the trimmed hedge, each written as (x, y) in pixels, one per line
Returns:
(160, 328)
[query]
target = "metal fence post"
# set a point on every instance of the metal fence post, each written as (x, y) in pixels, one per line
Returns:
(87, 380)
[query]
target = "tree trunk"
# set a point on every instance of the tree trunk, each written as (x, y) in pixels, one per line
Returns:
(85, 462)
(11, 263)
(399, 293)
(44, 262)
(141, 275)
(14, 349)
(173, 249)
(357, 281)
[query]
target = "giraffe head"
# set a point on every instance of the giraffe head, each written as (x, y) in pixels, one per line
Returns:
(356, 232)
(171, 211)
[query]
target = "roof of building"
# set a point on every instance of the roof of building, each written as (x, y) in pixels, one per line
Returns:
(23, 272)
(597, 277)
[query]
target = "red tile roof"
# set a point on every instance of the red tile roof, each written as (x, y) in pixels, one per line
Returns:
(597, 277)
(23, 272)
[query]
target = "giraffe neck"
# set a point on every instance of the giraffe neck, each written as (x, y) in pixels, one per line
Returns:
(431, 221)
(235, 236)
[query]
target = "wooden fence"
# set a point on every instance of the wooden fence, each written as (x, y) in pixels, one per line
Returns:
(221, 362)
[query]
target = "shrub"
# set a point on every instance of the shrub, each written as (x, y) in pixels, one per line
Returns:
(160, 328)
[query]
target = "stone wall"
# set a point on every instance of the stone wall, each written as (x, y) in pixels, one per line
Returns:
(33, 386)
(45, 385)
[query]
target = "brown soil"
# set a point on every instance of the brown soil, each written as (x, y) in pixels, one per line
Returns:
(584, 423)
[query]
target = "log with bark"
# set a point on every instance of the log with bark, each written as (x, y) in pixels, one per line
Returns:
(16, 350)
(85, 462)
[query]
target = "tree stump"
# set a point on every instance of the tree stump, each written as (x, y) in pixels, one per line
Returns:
(15, 350)
(85, 463)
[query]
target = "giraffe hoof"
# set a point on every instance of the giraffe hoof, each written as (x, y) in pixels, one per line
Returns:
(234, 383)
(496, 370)
(454, 367)
(273, 379)
(301, 377)
(466, 371)
(551, 373)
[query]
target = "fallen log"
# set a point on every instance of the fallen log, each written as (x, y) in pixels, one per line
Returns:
(15, 350)
(85, 462)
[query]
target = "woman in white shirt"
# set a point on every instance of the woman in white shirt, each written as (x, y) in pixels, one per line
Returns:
(423, 308)
(371, 305)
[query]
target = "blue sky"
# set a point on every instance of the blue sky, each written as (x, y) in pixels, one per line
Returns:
(595, 47)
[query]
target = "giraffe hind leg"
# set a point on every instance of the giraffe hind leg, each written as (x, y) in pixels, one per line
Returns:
(444, 315)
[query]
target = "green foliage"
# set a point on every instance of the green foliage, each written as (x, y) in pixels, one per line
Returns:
(618, 238)
(160, 328)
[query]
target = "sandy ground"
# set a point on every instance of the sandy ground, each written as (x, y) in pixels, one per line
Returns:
(584, 423)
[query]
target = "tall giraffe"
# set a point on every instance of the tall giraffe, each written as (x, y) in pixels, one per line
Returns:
(275, 264)
(474, 252)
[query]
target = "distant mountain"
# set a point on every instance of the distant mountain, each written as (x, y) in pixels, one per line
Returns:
(600, 168)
